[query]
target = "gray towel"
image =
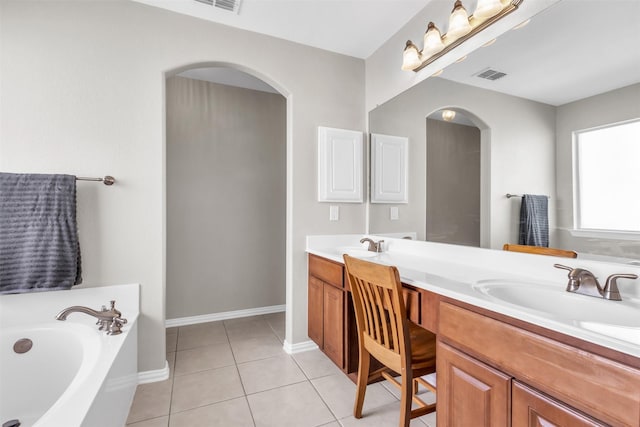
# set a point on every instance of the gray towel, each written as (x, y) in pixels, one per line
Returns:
(39, 248)
(534, 221)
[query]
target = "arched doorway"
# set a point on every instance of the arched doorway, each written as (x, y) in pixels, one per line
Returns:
(227, 138)
(456, 178)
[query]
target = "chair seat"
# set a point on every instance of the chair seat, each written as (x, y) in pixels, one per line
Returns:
(423, 349)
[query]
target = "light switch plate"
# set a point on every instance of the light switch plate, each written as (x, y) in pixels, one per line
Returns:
(393, 213)
(334, 213)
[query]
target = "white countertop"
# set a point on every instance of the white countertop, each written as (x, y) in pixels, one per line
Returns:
(461, 273)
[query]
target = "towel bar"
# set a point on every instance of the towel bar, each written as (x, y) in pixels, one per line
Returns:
(107, 180)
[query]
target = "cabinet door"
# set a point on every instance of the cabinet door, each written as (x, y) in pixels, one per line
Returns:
(333, 324)
(533, 409)
(315, 309)
(470, 393)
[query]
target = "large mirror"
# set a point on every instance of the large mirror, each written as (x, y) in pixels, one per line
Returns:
(575, 66)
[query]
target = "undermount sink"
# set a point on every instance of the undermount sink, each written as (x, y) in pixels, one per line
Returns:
(357, 252)
(556, 301)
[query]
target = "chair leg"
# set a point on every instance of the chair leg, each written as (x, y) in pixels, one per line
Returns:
(363, 377)
(406, 397)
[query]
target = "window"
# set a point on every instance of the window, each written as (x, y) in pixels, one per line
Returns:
(607, 178)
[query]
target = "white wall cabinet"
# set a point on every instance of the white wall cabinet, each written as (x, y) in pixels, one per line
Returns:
(340, 165)
(389, 174)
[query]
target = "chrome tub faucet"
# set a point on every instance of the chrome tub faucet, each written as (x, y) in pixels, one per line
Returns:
(373, 246)
(110, 320)
(583, 282)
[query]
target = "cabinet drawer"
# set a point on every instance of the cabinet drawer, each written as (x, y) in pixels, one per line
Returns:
(531, 409)
(328, 271)
(602, 388)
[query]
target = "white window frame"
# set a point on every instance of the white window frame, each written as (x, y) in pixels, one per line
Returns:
(577, 230)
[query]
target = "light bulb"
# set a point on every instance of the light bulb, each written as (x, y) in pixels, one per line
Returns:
(458, 21)
(487, 8)
(410, 57)
(432, 41)
(448, 115)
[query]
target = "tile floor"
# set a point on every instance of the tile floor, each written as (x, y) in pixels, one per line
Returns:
(234, 373)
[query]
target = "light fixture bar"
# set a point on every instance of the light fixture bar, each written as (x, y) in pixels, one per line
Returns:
(477, 25)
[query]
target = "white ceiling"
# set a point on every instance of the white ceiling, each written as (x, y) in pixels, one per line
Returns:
(584, 47)
(350, 27)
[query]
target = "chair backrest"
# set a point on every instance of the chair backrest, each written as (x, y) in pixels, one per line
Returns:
(380, 311)
(540, 250)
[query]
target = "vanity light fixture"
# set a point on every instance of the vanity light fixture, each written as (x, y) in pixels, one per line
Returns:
(448, 115)
(461, 28)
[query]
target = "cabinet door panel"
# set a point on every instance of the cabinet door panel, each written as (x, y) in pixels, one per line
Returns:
(470, 393)
(315, 309)
(334, 324)
(533, 409)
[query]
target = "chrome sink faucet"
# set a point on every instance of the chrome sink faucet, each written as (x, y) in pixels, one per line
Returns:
(583, 282)
(110, 320)
(373, 246)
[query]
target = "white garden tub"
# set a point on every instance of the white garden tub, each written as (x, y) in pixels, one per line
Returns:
(73, 375)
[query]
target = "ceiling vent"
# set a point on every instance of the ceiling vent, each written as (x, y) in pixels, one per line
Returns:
(490, 74)
(228, 5)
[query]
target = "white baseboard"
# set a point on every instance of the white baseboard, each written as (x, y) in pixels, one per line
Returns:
(299, 347)
(155, 375)
(204, 318)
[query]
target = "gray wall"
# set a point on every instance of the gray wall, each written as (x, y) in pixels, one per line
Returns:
(518, 153)
(453, 183)
(226, 198)
(82, 91)
(611, 107)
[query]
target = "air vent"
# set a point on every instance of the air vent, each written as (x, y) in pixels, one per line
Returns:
(490, 74)
(228, 5)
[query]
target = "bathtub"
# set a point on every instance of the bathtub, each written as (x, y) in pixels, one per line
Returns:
(73, 375)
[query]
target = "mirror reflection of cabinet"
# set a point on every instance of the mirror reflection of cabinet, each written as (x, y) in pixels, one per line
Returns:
(389, 174)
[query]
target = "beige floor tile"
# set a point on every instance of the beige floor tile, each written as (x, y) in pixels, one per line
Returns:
(172, 341)
(396, 392)
(269, 373)
(203, 358)
(231, 413)
(151, 400)
(256, 348)
(154, 422)
(251, 327)
(331, 424)
(339, 393)
(296, 405)
(429, 419)
(316, 364)
(384, 416)
(201, 335)
(204, 388)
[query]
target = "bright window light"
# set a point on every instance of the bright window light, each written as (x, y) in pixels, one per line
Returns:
(607, 178)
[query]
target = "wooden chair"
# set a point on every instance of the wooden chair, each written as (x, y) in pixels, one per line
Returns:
(540, 250)
(385, 333)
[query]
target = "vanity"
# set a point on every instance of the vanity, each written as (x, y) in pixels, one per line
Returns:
(514, 348)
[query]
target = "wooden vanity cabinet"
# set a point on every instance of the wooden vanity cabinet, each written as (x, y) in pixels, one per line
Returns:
(331, 317)
(470, 393)
(531, 408)
(326, 307)
(549, 382)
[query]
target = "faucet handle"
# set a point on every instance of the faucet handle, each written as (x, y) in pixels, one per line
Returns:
(610, 290)
(563, 267)
(574, 282)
